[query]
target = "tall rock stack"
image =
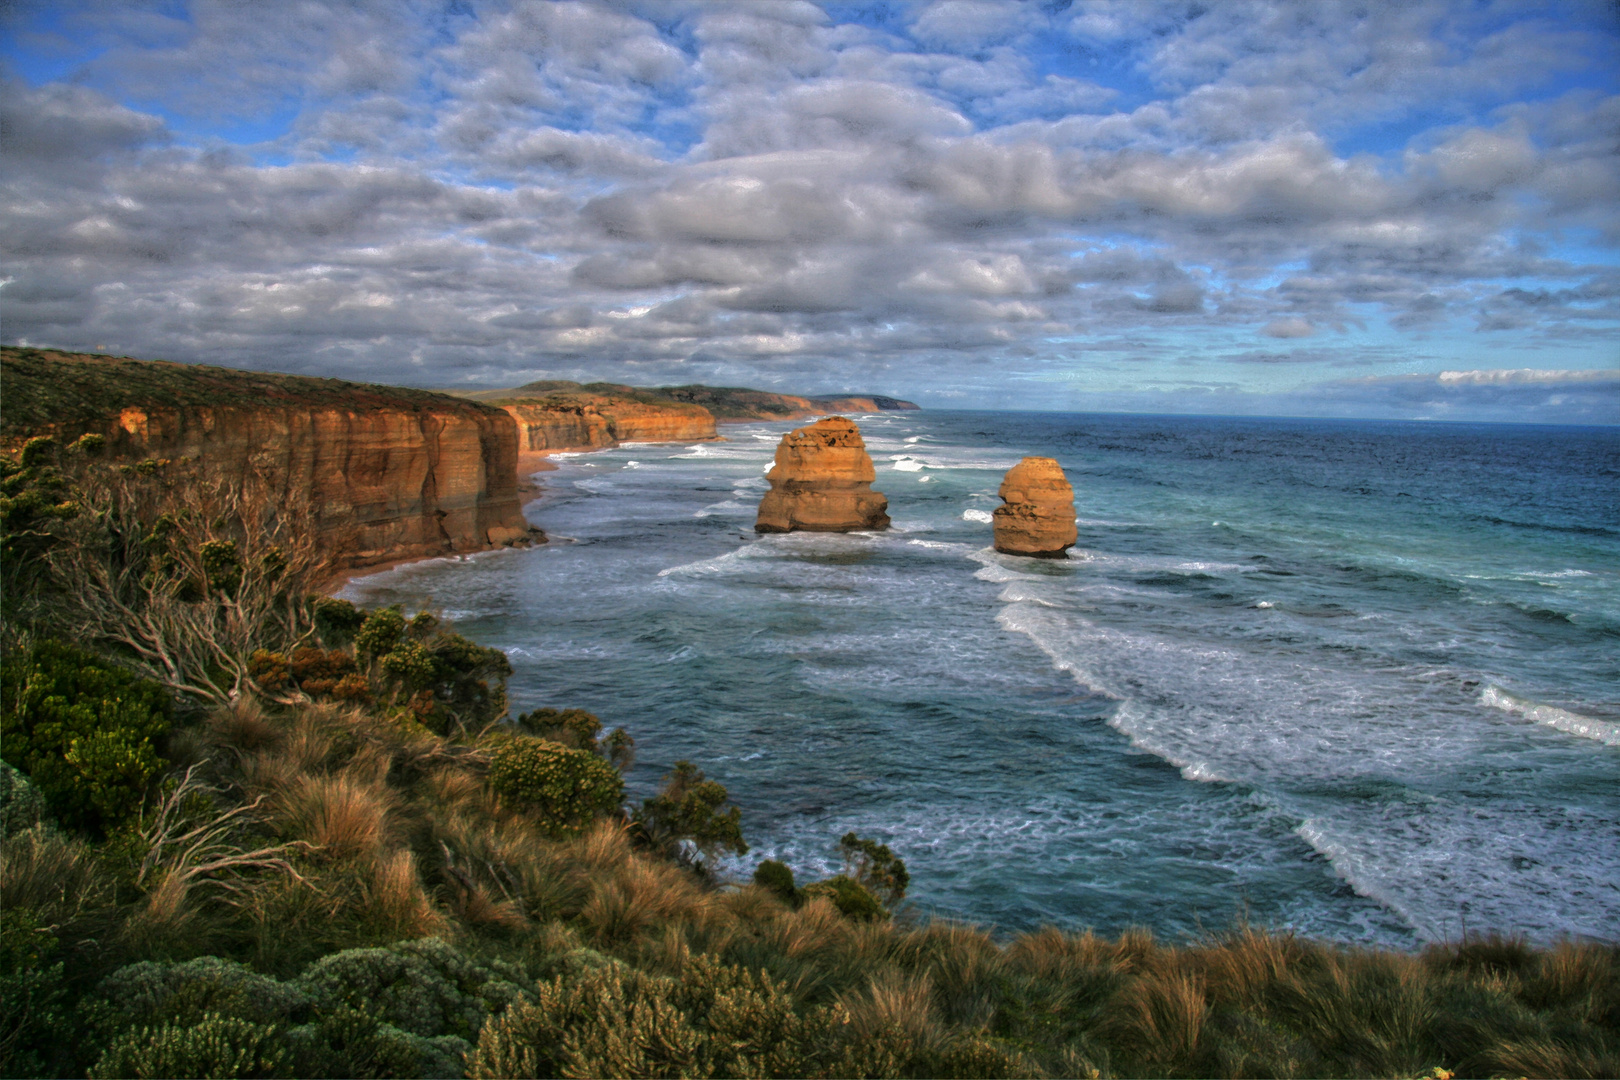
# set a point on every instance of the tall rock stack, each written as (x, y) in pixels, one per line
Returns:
(1037, 512)
(822, 482)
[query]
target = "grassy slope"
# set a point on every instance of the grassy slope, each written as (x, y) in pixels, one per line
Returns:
(52, 390)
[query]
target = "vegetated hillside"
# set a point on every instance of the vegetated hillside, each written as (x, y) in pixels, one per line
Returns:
(246, 831)
(51, 391)
(724, 403)
(383, 472)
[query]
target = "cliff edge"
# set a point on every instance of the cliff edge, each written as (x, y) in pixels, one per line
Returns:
(388, 472)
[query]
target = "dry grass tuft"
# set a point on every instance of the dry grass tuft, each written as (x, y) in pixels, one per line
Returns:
(396, 902)
(1159, 1015)
(242, 726)
(895, 1006)
(638, 897)
(817, 927)
(344, 816)
(605, 845)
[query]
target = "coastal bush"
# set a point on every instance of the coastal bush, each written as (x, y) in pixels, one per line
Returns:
(380, 632)
(427, 988)
(32, 996)
(216, 1046)
(83, 731)
(21, 804)
(877, 869)
(183, 994)
(580, 730)
(336, 621)
(778, 878)
(712, 1019)
(849, 896)
(685, 818)
(564, 789)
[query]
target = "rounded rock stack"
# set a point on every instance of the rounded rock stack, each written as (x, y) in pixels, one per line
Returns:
(822, 482)
(1037, 512)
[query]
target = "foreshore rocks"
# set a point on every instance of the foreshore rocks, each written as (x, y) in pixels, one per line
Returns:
(822, 482)
(1037, 512)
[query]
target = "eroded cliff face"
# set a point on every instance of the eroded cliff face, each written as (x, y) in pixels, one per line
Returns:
(822, 482)
(385, 475)
(579, 425)
(1037, 512)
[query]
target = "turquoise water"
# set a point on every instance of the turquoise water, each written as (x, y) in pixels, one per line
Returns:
(1356, 679)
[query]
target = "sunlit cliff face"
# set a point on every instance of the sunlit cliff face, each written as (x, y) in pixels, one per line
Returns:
(1239, 207)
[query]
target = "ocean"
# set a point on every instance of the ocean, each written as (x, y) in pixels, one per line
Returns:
(1358, 680)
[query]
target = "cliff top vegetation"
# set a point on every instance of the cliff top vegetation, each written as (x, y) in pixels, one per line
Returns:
(250, 832)
(724, 402)
(48, 390)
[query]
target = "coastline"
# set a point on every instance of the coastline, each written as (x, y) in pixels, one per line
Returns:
(529, 464)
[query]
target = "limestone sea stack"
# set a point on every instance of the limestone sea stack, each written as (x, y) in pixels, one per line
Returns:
(1037, 512)
(822, 482)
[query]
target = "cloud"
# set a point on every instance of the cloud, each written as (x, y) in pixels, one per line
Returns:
(1288, 328)
(945, 195)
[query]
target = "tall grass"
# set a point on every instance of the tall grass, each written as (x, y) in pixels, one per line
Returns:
(396, 835)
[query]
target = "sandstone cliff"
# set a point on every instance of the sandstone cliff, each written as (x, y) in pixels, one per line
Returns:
(389, 473)
(569, 423)
(1037, 512)
(822, 482)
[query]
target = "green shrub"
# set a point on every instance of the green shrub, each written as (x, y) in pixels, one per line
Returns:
(573, 728)
(222, 563)
(354, 1043)
(31, 994)
(21, 804)
(426, 988)
(471, 679)
(380, 632)
(687, 811)
(565, 789)
(849, 896)
(713, 1019)
(875, 867)
(217, 1046)
(83, 732)
(412, 664)
(580, 730)
(181, 995)
(40, 450)
(778, 878)
(336, 620)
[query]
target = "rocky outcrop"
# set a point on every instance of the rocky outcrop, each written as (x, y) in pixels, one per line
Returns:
(822, 482)
(563, 424)
(1037, 512)
(386, 473)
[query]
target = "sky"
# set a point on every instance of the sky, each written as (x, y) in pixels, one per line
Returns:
(1405, 210)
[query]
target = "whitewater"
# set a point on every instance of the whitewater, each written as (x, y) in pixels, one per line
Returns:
(1359, 680)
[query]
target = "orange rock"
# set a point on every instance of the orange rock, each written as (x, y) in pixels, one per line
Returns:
(606, 422)
(388, 474)
(822, 482)
(1037, 512)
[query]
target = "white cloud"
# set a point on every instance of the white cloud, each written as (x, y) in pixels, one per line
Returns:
(951, 191)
